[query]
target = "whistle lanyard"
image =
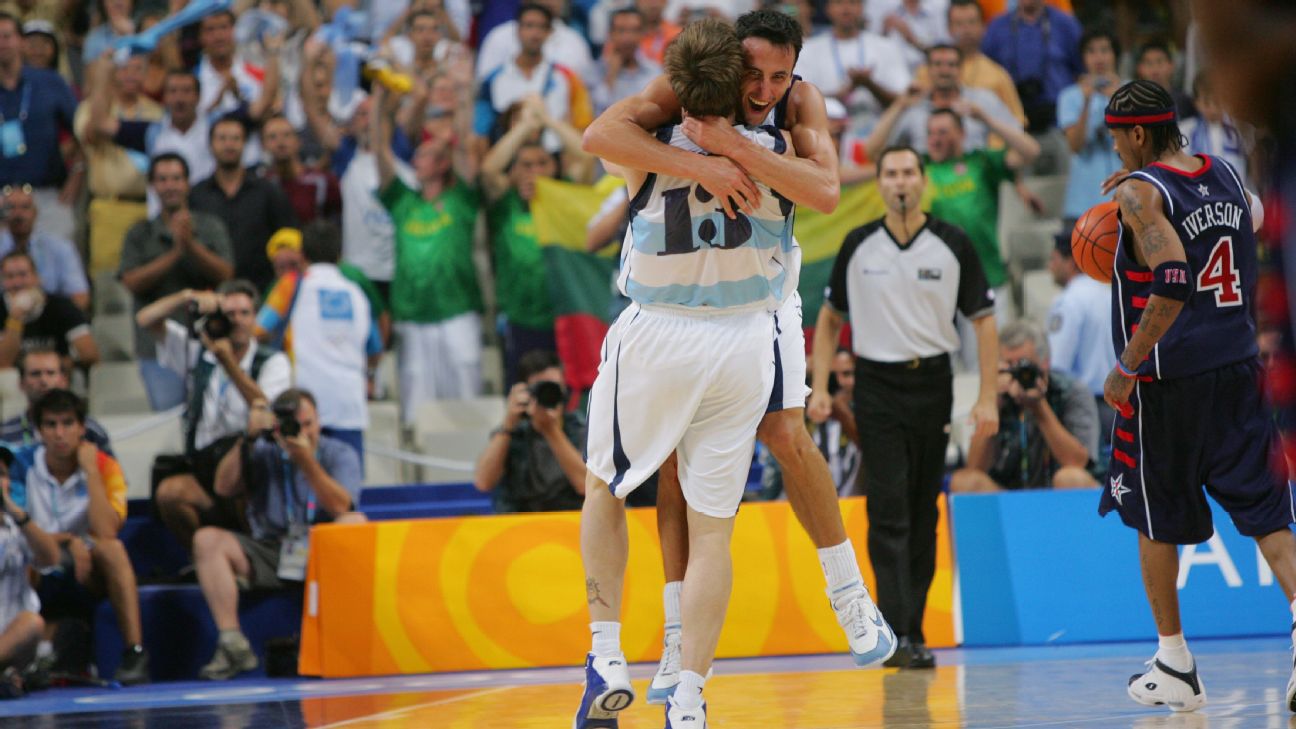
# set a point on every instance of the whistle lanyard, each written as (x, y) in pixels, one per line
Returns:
(24, 103)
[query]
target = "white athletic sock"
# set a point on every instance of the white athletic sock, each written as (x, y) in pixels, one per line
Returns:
(671, 601)
(607, 638)
(1172, 650)
(688, 694)
(1293, 610)
(841, 571)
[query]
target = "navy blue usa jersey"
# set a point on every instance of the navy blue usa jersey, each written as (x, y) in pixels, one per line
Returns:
(1212, 215)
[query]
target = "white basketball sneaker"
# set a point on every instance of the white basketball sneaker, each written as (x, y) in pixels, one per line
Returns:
(1291, 682)
(871, 640)
(607, 692)
(677, 718)
(668, 670)
(1161, 685)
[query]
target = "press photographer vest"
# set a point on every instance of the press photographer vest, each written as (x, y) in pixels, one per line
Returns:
(202, 375)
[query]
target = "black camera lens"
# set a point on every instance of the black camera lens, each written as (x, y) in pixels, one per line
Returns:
(286, 414)
(548, 394)
(1026, 373)
(217, 325)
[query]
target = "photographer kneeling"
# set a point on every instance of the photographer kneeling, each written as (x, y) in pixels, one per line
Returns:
(224, 370)
(1048, 424)
(291, 478)
(531, 462)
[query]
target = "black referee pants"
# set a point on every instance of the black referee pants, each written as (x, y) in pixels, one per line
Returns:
(902, 412)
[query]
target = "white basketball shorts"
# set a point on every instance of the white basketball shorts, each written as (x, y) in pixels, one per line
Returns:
(790, 389)
(677, 380)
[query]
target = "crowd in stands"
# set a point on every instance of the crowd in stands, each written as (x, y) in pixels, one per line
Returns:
(291, 191)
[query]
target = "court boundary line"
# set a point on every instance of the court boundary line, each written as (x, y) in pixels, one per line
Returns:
(395, 713)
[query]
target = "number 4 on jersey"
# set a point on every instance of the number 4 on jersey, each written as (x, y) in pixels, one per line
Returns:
(1221, 276)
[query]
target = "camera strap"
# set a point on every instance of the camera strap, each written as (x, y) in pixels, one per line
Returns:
(202, 374)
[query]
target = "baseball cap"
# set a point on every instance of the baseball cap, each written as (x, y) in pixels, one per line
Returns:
(284, 238)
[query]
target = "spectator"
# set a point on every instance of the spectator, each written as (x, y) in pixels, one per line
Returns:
(285, 253)
(1213, 131)
(39, 371)
(1155, 63)
(967, 29)
(178, 250)
(863, 70)
(430, 40)
(77, 493)
(330, 333)
(36, 104)
(853, 165)
(290, 481)
(1079, 325)
(902, 329)
(623, 69)
(1080, 115)
(946, 93)
(181, 130)
(836, 437)
(57, 260)
(509, 175)
(658, 31)
(24, 546)
(252, 208)
(527, 73)
(532, 461)
(299, 19)
(367, 231)
(436, 303)
(314, 193)
(1039, 47)
(1048, 425)
(41, 46)
(35, 318)
(231, 85)
(163, 59)
(562, 47)
(116, 22)
(116, 176)
(914, 25)
(222, 376)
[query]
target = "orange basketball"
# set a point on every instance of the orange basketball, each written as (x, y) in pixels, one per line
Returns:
(1093, 241)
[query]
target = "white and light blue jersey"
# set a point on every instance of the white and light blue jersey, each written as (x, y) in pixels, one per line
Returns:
(682, 250)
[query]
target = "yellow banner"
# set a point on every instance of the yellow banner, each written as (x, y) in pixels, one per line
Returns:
(508, 592)
(563, 209)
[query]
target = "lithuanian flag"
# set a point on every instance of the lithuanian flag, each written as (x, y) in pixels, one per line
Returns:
(580, 283)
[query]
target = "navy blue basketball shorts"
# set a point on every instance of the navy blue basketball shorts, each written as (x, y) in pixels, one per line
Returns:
(1214, 431)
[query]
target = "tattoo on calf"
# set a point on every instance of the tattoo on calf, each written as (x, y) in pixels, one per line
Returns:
(592, 593)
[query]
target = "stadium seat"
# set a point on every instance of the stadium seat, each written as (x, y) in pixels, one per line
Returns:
(455, 430)
(116, 388)
(384, 430)
(1038, 292)
(110, 296)
(12, 399)
(492, 370)
(136, 453)
(115, 335)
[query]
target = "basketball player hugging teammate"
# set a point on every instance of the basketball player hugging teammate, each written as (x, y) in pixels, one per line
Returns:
(1186, 385)
(689, 367)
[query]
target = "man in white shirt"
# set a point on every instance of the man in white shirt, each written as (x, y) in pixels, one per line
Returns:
(915, 24)
(864, 70)
(228, 83)
(1079, 329)
(564, 45)
(224, 374)
(331, 333)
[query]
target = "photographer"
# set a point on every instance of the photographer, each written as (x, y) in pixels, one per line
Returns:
(531, 462)
(1048, 424)
(292, 478)
(225, 370)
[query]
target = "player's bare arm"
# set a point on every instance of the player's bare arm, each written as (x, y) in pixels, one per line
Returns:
(620, 135)
(810, 178)
(1155, 243)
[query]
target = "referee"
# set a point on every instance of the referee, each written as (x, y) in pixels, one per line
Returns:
(901, 279)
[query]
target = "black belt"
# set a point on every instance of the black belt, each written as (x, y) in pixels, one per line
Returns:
(940, 361)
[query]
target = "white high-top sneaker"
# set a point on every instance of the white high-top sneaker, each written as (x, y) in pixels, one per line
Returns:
(871, 640)
(668, 670)
(607, 692)
(1161, 685)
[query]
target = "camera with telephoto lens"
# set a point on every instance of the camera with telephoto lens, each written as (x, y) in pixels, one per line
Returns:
(1026, 372)
(215, 325)
(548, 394)
(286, 418)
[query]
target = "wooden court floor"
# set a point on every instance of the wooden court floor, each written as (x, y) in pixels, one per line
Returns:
(1080, 686)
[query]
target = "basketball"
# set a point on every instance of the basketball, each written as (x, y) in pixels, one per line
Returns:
(1093, 241)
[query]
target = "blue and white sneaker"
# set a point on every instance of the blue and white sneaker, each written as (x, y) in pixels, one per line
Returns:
(677, 718)
(668, 669)
(607, 692)
(1291, 682)
(871, 640)
(1161, 685)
